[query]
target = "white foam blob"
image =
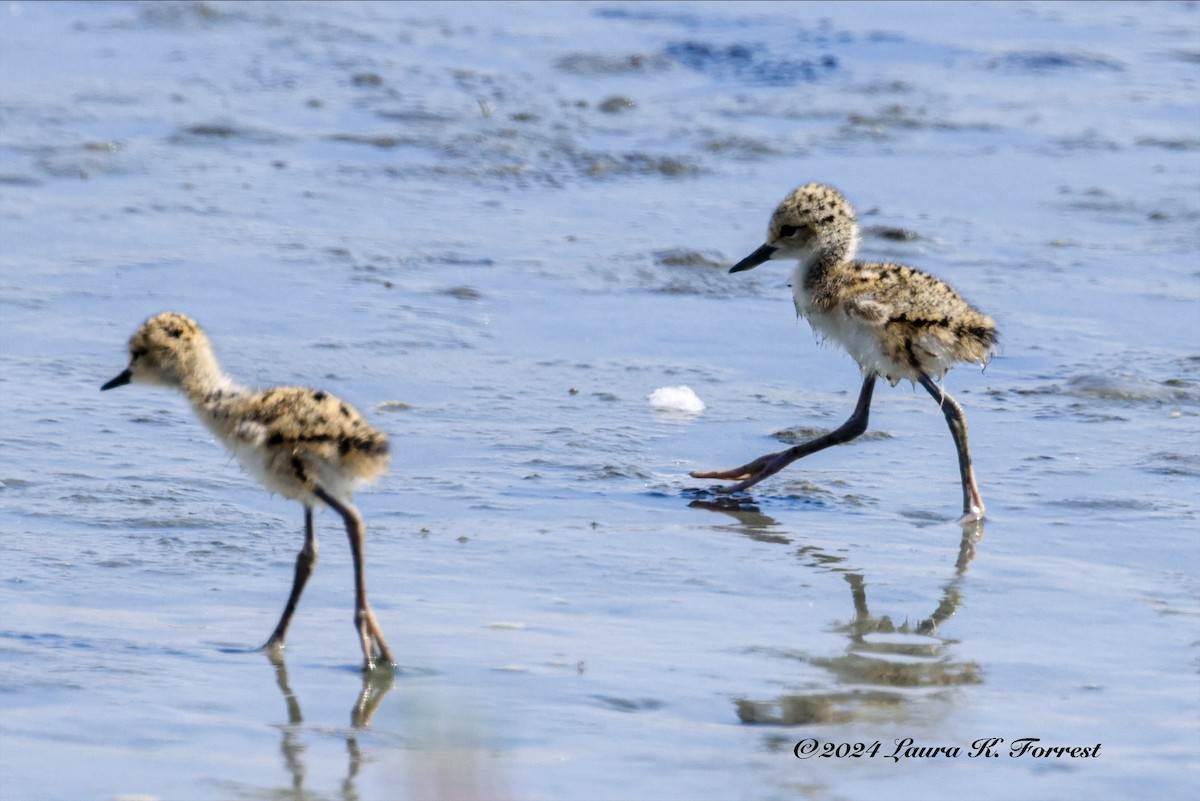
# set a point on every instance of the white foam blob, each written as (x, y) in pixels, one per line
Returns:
(676, 399)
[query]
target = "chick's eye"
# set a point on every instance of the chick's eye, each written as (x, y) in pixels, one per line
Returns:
(137, 354)
(788, 231)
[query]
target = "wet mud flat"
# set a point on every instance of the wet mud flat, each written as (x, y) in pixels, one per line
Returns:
(497, 230)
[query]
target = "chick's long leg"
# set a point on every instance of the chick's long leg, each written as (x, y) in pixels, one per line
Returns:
(753, 472)
(304, 567)
(972, 500)
(369, 633)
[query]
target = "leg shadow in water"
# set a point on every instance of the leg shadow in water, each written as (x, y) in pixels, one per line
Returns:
(890, 667)
(887, 668)
(375, 685)
(441, 755)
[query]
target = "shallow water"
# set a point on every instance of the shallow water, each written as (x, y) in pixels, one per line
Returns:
(497, 229)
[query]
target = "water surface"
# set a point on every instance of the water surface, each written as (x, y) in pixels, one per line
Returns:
(497, 229)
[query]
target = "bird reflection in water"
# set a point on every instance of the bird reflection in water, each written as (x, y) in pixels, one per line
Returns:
(375, 685)
(442, 755)
(889, 666)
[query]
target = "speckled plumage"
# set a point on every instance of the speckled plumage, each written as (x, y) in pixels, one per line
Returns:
(897, 322)
(302, 443)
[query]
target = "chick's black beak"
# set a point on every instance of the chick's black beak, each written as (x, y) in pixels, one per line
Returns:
(754, 259)
(124, 378)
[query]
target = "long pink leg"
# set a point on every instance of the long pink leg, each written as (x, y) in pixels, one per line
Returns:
(369, 633)
(972, 500)
(304, 567)
(751, 473)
